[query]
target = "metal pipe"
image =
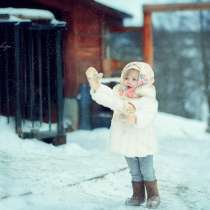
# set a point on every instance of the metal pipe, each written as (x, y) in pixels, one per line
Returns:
(31, 62)
(59, 67)
(1, 65)
(17, 74)
(24, 75)
(48, 81)
(40, 75)
(7, 77)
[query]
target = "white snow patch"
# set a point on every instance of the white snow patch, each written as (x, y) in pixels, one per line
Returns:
(25, 13)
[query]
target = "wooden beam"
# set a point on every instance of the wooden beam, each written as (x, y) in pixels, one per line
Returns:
(148, 38)
(175, 7)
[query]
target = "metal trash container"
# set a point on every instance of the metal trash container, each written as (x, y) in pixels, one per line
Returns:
(32, 76)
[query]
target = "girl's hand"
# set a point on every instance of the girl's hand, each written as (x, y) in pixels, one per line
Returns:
(94, 78)
(130, 113)
(130, 108)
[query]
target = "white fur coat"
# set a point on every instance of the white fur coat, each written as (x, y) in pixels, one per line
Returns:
(131, 140)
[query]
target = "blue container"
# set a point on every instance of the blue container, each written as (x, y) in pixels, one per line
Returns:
(85, 102)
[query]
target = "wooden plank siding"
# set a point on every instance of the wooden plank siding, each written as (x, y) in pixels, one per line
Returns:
(84, 43)
(83, 48)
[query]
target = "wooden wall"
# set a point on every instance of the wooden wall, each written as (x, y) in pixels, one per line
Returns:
(83, 45)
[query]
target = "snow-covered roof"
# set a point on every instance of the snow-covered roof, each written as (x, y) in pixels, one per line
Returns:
(26, 14)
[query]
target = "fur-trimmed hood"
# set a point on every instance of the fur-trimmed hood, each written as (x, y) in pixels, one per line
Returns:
(146, 78)
(144, 69)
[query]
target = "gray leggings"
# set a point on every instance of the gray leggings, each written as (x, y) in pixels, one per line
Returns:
(141, 168)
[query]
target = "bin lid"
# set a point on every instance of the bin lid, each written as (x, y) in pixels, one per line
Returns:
(23, 14)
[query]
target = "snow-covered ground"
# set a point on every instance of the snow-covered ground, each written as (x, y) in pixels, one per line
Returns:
(84, 175)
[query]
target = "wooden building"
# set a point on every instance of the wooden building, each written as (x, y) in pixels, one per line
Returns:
(84, 44)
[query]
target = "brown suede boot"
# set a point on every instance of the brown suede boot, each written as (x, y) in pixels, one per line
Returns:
(153, 198)
(138, 196)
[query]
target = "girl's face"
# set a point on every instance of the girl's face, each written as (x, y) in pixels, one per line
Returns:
(131, 79)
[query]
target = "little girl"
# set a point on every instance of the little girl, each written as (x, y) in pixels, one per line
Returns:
(134, 106)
